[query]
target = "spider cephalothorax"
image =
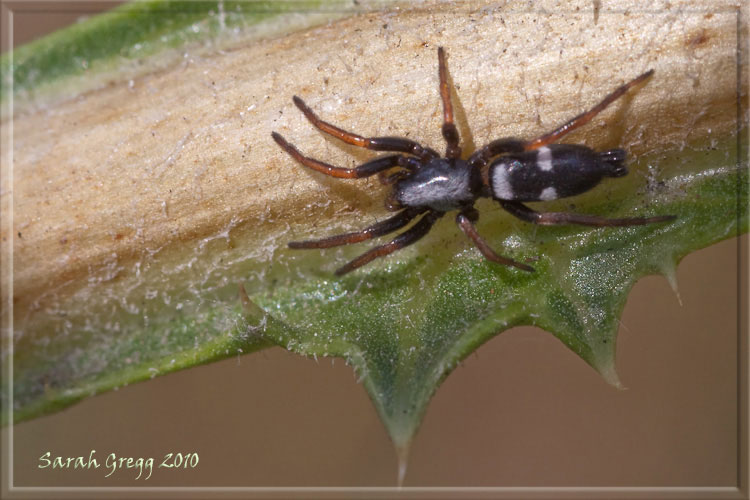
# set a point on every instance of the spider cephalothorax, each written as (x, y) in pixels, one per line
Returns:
(511, 171)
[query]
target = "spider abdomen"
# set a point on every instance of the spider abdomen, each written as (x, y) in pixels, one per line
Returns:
(552, 172)
(442, 184)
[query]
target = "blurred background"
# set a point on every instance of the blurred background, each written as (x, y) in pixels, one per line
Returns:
(34, 19)
(522, 411)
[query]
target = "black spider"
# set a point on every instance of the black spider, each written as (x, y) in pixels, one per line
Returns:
(429, 185)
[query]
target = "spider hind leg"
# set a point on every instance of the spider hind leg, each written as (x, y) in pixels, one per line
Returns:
(558, 218)
(587, 116)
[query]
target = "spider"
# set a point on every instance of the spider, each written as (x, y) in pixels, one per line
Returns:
(509, 170)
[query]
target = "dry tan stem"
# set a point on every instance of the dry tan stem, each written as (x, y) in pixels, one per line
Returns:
(160, 164)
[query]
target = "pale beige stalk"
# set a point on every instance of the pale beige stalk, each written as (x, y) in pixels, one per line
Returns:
(159, 167)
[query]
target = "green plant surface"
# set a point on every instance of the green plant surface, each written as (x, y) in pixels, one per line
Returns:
(125, 40)
(404, 326)
(200, 273)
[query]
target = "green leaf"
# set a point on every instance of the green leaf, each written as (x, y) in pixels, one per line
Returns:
(405, 325)
(124, 40)
(403, 322)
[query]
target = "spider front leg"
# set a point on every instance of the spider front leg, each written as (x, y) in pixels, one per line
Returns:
(412, 235)
(465, 221)
(397, 144)
(555, 218)
(381, 228)
(367, 169)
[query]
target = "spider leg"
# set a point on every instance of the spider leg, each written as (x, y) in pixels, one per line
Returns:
(481, 156)
(553, 218)
(390, 179)
(384, 227)
(465, 221)
(367, 169)
(404, 239)
(584, 118)
(450, 132)
(375, 143)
